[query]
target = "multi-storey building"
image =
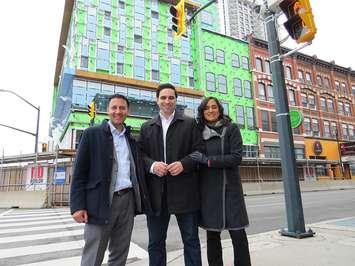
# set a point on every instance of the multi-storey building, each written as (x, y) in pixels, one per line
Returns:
(122, 47)
(224, 72)
(322, 91)
(238, 19)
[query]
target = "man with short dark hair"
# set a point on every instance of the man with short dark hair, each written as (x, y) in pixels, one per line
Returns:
(108, 186)
(166, 141)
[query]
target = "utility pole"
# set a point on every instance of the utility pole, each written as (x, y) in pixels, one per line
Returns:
(294, 210)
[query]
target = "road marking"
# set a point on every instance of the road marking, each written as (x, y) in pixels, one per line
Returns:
(35, 223)
(34, 237)
(41, 228)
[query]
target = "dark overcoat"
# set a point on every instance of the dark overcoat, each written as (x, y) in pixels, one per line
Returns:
(182, 138)
(222, 199)
(90, 186)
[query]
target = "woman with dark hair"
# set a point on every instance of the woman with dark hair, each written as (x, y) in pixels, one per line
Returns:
(222, 199)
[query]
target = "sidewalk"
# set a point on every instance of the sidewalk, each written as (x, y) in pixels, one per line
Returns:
(332, 245)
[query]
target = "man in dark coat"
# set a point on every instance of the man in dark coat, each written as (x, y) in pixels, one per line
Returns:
(108, 186)
(173, 186)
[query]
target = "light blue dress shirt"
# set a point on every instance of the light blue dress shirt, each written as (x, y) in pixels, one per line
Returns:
(123, 179)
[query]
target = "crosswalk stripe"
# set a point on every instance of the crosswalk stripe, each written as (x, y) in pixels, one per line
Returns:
(40, 228)
(34, 218)
(21, 216)
(35, 223)
(6, 212)
(28, 233)
(13, 252)
(41, 236)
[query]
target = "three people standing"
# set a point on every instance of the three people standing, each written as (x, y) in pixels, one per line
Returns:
(114, 179)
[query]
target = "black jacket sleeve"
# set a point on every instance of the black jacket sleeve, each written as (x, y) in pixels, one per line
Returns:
(233, 140)
(80, 175)
(197, 145)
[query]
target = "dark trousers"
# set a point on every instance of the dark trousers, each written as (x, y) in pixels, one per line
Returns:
(157, 229)
(240, 248)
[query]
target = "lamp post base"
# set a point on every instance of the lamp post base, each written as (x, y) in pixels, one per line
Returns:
(299, 235)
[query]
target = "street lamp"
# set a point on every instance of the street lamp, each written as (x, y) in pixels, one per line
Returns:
(24, 131)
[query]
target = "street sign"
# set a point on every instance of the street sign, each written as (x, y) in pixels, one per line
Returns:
(296, 118)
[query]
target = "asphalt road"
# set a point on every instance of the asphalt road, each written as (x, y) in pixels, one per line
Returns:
(266, 213)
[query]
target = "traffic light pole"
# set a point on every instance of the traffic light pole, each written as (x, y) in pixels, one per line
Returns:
(294, 210)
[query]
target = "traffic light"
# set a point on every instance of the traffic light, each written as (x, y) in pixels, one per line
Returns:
(300, 24)
(92, 110)
(178, 19)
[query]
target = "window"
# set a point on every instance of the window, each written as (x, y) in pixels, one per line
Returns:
(265, 124)
(300, 75)
(340, 108)
(351, 132)
(288, 72)
(299, 153)
(155, 14)
(222, 84)
(107, 31)
(319, 81)
(155, 75)
(321, 170)
(175, 72)
(323, 104)
(247, 89)
(304, 101)
(139, 68)
(210, 82)
(250, 117)
(291, 97)
(353, 89)
(272, 151)
(120, 68)
(245, 62)
(330, 105)
(315, 127)
(308, 77)
(343, 88)
(326, 83)
(240, 115)
(235, 60)
(307, 126)
(261, 90)
(270, 91)
(84, 62)
(333, 129)
(267, 67)
(259, 65)
(337, 85)
(225, 108)
(326, 126)
(220, 56)
(347, 109)
(344, 131)
(237, 83)
(311, 101)
(273, 122)
(209, 53)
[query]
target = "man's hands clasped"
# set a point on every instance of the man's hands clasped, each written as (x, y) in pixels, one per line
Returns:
(162, 169)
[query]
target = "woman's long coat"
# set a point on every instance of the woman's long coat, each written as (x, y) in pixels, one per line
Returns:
(222, 199)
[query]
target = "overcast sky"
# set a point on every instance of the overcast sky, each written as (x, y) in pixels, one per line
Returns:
(28, 49)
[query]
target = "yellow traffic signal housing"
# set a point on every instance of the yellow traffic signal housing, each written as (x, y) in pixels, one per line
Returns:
(300, 24)
(92, 110)
(178, 19)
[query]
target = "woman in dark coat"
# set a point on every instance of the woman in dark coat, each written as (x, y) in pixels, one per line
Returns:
(222, 199)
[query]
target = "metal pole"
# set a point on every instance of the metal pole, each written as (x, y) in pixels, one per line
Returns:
(37, 130)
(294, 210)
